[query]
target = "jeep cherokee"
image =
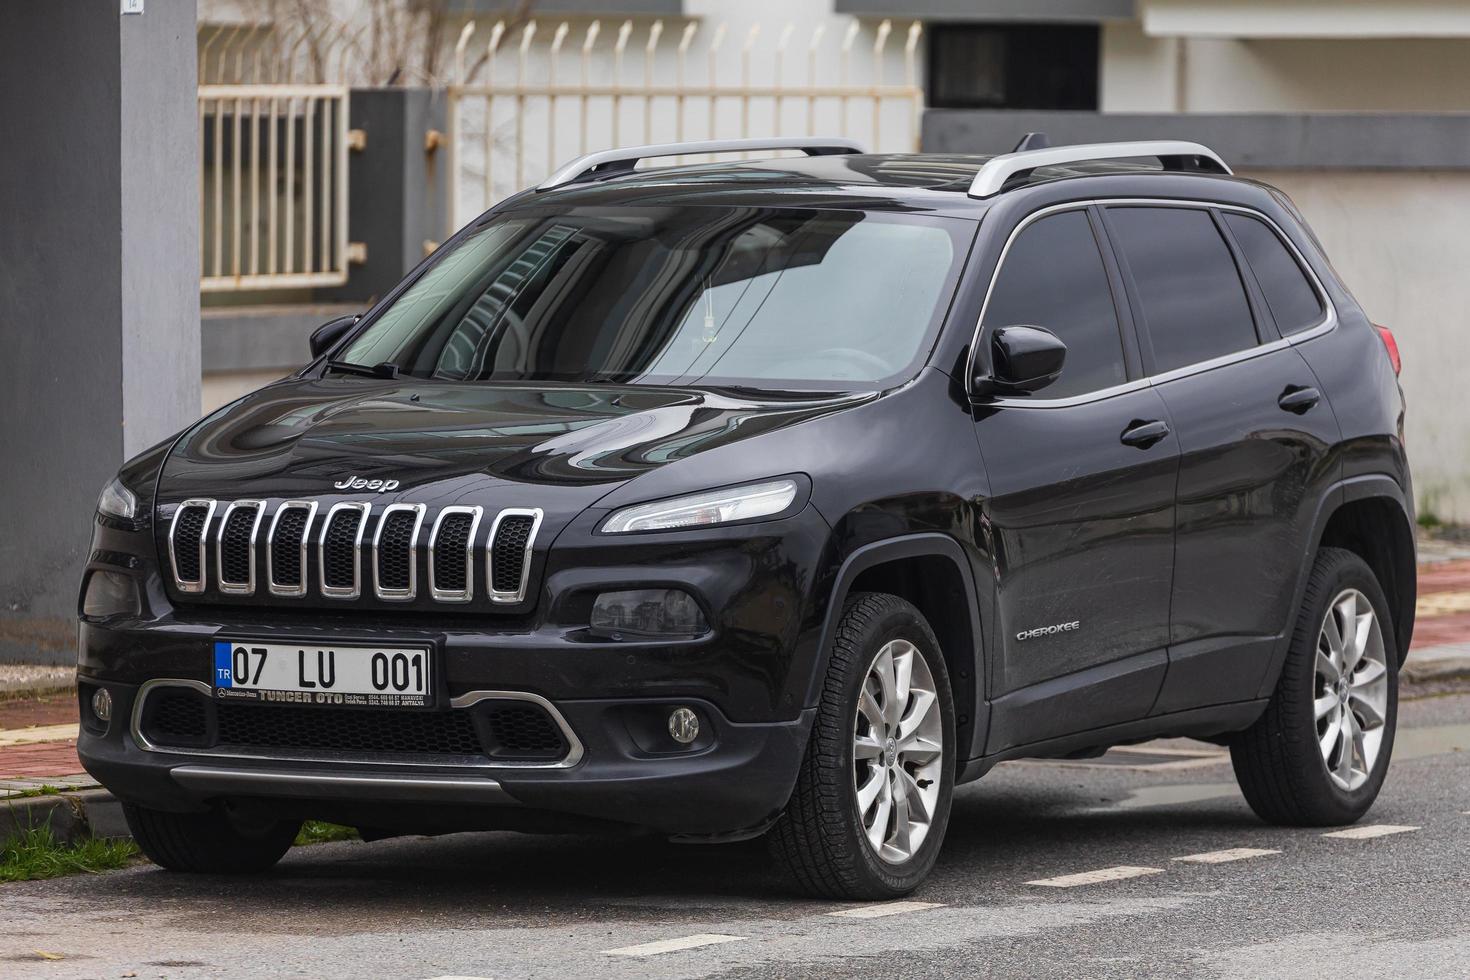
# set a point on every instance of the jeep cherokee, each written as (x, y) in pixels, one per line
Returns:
(773, 497)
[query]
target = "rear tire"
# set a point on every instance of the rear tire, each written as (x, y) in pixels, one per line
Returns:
(1318, 755)
(209, 843)
(871, 804)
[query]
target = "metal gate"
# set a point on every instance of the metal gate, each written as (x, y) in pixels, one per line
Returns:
(531, 112)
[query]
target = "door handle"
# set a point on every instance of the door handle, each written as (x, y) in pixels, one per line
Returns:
(1144, 434)
(1299, 400)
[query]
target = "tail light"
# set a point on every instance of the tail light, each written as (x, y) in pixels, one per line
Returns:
(1390, 345)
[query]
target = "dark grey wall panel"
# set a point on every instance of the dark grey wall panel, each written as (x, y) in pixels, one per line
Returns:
(264, 338)
(1247, 141)
(1029, 11)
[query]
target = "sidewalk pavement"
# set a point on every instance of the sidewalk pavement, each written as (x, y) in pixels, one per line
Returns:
(38, 734)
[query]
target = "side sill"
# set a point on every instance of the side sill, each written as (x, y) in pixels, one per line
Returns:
(1214, 720)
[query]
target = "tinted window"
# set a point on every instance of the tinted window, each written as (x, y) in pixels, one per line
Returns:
(1293, 301)
(772, 298)
(1188, 286)
(1054, 277)
(1013, 66)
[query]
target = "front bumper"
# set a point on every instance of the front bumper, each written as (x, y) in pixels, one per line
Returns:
(731, 783)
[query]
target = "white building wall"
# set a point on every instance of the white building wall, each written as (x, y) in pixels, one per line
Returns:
(1142, 73)
(1398, 240)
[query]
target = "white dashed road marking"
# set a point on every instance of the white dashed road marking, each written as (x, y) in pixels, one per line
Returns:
(674, 945)
(887, 908)
(1222, 857)
(1372, 830)
(1096, 877)
(459, 978)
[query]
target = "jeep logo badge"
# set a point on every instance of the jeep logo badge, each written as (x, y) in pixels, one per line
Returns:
(361, 483)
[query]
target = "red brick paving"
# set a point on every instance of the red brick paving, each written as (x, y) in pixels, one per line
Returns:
(53, 709)
(1433, 631)
(1450, 576)
(40, 760)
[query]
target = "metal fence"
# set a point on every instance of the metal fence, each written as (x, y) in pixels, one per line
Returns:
(516, 126)
(272, 186)
(273, 159)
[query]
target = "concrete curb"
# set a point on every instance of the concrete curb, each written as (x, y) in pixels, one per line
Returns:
(28, 681)
(73, 817)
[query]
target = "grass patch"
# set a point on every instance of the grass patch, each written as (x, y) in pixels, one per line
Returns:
(35, 853)
(27, 794)
(320, 832)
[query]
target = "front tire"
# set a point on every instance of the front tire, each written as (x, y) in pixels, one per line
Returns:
(1318, 755)
(872, 800)
(209, 843)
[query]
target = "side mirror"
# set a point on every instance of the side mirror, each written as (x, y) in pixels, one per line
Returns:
(1023, 359)
(325, 337)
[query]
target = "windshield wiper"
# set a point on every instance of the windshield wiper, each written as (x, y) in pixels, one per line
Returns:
(386, 369)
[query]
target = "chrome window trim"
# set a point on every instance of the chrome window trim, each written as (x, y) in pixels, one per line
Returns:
(191, 586)
(575, 749)
(468, 593)
(399, 595)
(310, 507)
(337, 591)
(1326, 325)
(225, 586)
(519, 594)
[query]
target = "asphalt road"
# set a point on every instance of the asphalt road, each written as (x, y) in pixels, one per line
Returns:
(503, 905)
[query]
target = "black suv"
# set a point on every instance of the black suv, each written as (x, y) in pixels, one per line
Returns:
(774, 497)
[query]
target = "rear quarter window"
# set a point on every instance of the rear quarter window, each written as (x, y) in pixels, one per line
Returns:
(1293, 301)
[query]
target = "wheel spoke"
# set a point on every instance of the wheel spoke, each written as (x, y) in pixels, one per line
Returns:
(871, 790)
(1327, 667)
(868, 705)
(902, 820)
(1333, 633)
(1330, 737)
(878, 829)
(918, 806)
(1349, 746)
(919, 750)
(888, 683)
(1322, 707)
(903, 675)
(1362, 630)
(922, 704)
(1368, 673)
(1371, 714)
(866, 747)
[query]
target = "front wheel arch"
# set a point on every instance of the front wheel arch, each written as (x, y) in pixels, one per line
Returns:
(925, 569)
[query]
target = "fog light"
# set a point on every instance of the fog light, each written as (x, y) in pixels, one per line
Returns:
(648, 613)
(110, 594)
(683, 725)
(102, 704)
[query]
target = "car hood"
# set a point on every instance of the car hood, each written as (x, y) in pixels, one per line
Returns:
(305, 437)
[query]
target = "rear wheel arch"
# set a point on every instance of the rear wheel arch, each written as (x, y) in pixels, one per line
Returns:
(1376, 527)
(930, 571)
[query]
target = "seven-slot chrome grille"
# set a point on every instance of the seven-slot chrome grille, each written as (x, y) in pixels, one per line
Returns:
(244, 547)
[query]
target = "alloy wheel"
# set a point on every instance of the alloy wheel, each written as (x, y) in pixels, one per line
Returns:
(1350, 696)
(898, 752)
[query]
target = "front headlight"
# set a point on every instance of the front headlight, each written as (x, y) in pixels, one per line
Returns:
(117, 501)
(702, 509)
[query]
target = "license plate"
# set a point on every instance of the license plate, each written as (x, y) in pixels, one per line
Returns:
(293, 673)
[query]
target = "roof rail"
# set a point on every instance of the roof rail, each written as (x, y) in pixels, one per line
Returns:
(1175, 155)
(609, 163)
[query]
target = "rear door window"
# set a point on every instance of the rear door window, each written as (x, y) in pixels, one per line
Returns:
(1054, 277)
(1190, 295)
(1293, 301)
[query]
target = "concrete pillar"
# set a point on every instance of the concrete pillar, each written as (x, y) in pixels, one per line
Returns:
(99, 287)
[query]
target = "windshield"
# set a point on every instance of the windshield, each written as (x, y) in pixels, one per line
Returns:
(738, 296)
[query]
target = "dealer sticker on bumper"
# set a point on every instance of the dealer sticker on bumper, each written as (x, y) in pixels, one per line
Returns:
(382, 677)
